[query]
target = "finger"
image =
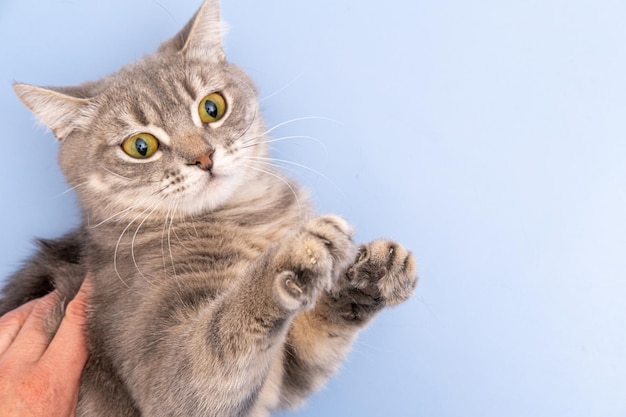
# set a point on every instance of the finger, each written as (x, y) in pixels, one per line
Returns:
(67, 353)
(68, 348)
(33, 338)
(12, 322)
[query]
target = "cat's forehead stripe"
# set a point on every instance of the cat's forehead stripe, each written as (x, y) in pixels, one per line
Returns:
(140, 116)
(150, 108)
(189, 89)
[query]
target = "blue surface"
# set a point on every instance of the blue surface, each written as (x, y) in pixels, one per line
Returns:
(488, 137)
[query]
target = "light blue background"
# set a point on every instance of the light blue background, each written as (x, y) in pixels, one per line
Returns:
(487, 136)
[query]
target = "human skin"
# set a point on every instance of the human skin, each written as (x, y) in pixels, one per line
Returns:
(39, 373)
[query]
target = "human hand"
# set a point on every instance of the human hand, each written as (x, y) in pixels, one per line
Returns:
(39, 375)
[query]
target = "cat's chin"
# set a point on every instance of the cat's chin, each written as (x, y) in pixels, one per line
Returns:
(208, 195)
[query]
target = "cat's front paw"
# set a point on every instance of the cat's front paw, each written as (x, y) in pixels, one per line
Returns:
(383, 274)
(313, 259)
(385, 270)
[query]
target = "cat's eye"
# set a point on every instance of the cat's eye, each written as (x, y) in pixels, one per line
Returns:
(212, 108)
(141, 146)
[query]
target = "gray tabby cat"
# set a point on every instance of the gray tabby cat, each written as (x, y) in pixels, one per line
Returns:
(216, 291)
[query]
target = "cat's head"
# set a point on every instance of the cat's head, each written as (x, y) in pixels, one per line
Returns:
(177, 131)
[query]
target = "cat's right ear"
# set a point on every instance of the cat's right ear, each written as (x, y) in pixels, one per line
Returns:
(61, 112)
(202, 36)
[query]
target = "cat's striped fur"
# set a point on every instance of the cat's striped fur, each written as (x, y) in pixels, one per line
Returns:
(216, 291)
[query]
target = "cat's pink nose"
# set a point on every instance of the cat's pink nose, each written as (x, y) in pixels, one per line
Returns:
(204, 161)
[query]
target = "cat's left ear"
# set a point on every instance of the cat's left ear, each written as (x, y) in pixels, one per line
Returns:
(56, 108)
(202, 37)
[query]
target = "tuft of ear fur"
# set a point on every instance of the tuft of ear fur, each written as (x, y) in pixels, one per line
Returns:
(56, 109)
(202, 36)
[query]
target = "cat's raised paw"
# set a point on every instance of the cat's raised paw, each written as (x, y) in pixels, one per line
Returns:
(385, 271)
(336, 235)
(383, 274)
(313, 259)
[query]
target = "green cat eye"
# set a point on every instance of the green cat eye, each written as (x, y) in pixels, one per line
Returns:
(141, 146)
(212, 108)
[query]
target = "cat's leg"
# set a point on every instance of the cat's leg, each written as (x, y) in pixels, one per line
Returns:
(217, 361)
(383, 274)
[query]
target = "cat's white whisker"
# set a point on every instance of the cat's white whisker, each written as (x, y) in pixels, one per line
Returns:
(119, 240)
(116, 174)
(285, 161)
(276, 162)
(165, 220)
(169, 236)
(117, 245)
(71, 189)
(120, 176)
(295, 194)
(297, 137)
(271, 165)
(298, 119)
(281, 89)
(119, 213)
(260, 140)
(132, 243)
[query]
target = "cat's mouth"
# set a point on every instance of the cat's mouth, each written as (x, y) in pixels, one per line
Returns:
(213, 176)
(213, 179)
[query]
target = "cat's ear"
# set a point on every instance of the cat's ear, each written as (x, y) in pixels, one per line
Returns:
(61, 109)
(202, 36)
